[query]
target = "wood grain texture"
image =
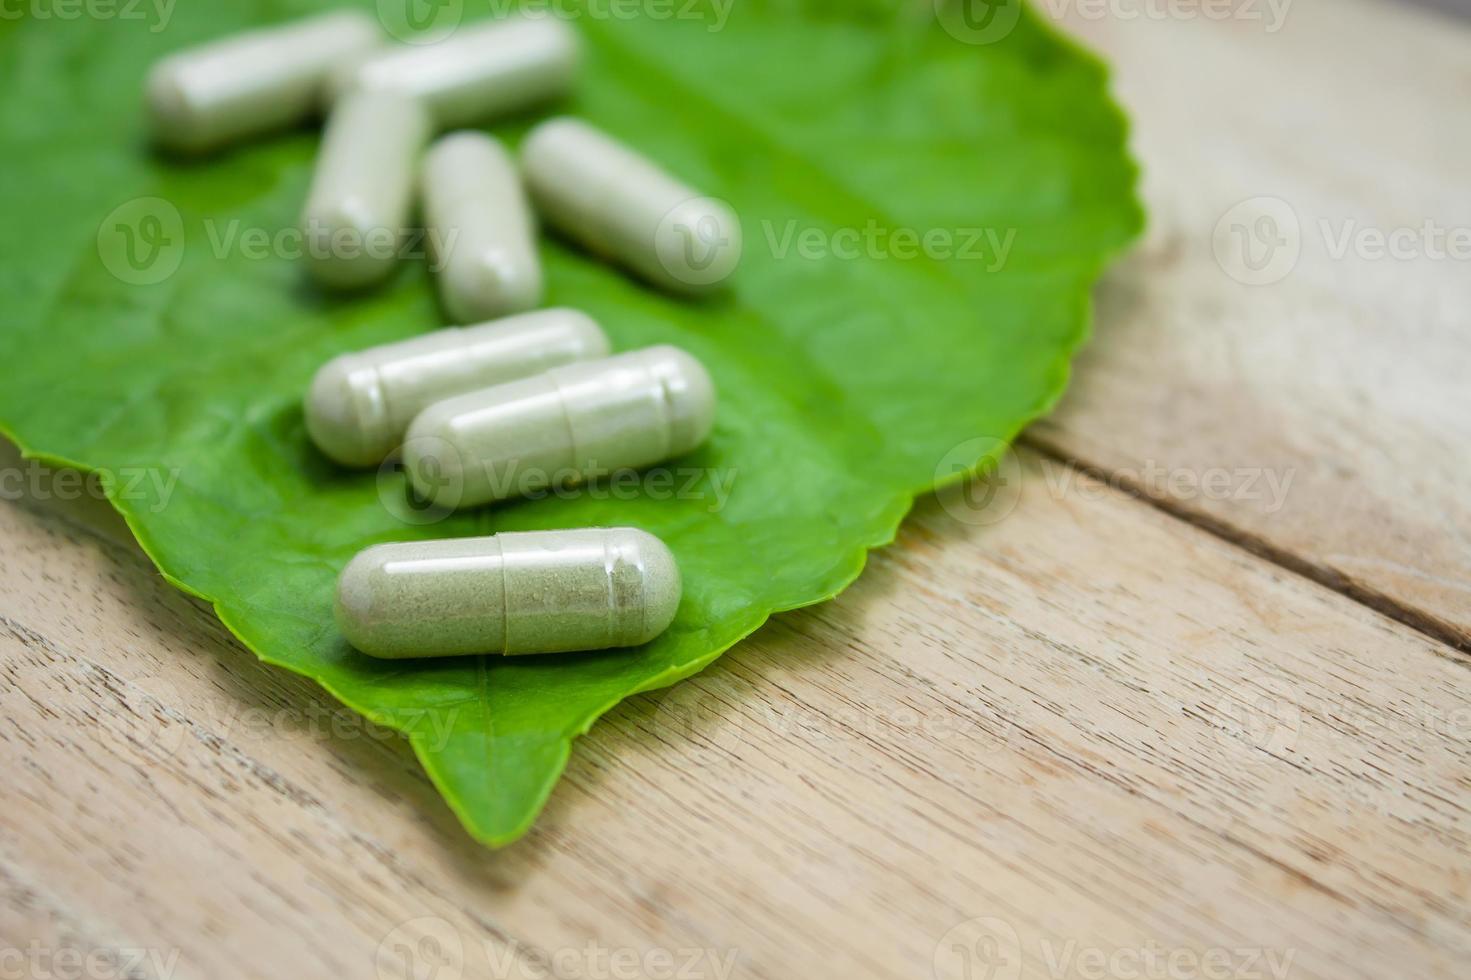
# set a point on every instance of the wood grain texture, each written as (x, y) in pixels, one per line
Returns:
(1065, 719)
(1056, 732)
(1340, 376)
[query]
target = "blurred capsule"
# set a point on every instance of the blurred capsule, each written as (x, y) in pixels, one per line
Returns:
(622, 206)
(480, 229)
(250, 83)
(570, 423)
(360, 404)
(478, 73)
(357, 210)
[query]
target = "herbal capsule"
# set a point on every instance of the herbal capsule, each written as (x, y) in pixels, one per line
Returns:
(253, 82)
(360, 404)
(362, 191)
(623, 207)
(510, 593)
(480, 72)
(566, 425)
(481, 231)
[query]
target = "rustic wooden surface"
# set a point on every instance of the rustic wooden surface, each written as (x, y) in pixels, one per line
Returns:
(1074, 733)
(1343, 374)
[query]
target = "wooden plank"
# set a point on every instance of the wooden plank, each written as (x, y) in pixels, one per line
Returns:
(1104, 738)
(1316, 411)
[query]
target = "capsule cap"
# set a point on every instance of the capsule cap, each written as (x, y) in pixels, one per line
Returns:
(689, 393)
(660, 584)
(493, 283)
(174, 119)
(347, 412)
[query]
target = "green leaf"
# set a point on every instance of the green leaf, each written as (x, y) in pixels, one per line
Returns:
(853, 373)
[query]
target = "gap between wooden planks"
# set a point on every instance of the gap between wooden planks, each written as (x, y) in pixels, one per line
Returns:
(1065, 718)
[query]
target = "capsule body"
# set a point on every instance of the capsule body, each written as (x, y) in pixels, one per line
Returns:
(622, 206)
(254, 82)
(360, 404)
(481, 230)
(478, 73)
(512, 593)
(568, 424)
(361, 196)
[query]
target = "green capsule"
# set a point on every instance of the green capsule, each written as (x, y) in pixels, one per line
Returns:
(619, 204)
(357, 209)
(251, 83)
(360, 404)
(481, 72)
(481, 230)
(566, 425)
(512, 593)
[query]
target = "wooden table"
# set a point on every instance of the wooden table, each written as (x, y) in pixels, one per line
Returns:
(1187, 698)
